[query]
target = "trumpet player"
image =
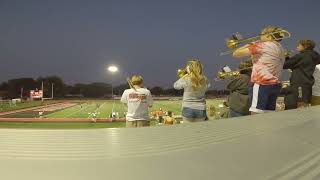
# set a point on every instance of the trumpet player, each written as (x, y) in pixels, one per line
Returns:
(302, 66)
(195, 84)
(238, 100)
(268, 59)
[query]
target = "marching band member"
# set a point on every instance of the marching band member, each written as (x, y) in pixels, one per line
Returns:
(268, 59)
(301, 80)
(138, 99)
(316, 87)
(238, 99)
(169, 119)
(159, 115)
(194, 84)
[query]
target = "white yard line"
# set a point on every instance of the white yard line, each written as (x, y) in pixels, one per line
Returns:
(81, 109)
(96, 110)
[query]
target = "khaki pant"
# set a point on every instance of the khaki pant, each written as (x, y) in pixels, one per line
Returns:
(315, 100)
(139, 123)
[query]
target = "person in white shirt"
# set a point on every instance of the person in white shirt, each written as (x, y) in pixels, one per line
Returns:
(93, 116)
(316, 87)
(138, 100)
(41, 114)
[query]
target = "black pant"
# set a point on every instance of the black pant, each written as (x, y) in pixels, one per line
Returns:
(292, 96)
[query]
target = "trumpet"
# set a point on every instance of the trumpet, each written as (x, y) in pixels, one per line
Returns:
(236, 39)
(227, 75)
(182, 72)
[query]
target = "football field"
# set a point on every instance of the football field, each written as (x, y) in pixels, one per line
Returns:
(84, 109)
(104, 109)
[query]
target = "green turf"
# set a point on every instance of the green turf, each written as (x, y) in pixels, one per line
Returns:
(104, 108)
(84, 110)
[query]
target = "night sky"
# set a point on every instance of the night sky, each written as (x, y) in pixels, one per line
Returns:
(77, 39)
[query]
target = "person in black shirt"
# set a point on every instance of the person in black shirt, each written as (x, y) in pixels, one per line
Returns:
(301, 80)
(238, 100)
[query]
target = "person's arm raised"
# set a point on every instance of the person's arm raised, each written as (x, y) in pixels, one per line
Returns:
(292, 62)
(242, 51)
(180, 84)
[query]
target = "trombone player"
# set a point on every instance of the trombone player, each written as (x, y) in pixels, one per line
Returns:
(268, 59)
(138, 100)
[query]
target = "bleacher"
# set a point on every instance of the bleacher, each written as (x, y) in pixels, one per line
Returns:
(280, 145)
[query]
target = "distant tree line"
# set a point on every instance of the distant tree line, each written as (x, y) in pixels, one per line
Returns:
(15, 88)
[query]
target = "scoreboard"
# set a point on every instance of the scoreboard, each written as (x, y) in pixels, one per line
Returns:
(35, 94)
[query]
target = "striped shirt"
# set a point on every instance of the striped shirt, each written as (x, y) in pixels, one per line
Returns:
(268, 58)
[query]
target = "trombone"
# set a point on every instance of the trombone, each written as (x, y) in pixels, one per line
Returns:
(236, 39)
(130, 84)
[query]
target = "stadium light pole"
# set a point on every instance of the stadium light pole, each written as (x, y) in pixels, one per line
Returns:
(112, 69)
(52, 90)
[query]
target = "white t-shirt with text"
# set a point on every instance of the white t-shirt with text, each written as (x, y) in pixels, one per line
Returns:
(138, 102)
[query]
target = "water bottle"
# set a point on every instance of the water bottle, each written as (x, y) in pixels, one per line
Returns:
(300, 93)
(300, 102)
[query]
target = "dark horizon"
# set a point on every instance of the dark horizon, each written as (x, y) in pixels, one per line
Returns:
(76, 40)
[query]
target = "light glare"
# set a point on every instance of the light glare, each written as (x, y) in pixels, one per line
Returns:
(113, 69)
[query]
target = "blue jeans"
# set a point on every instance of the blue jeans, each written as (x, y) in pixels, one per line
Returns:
(190, 113)
(263, 97)
(235, 113)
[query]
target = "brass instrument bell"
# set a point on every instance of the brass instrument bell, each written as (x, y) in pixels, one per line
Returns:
(181, 72)
(225, 75)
